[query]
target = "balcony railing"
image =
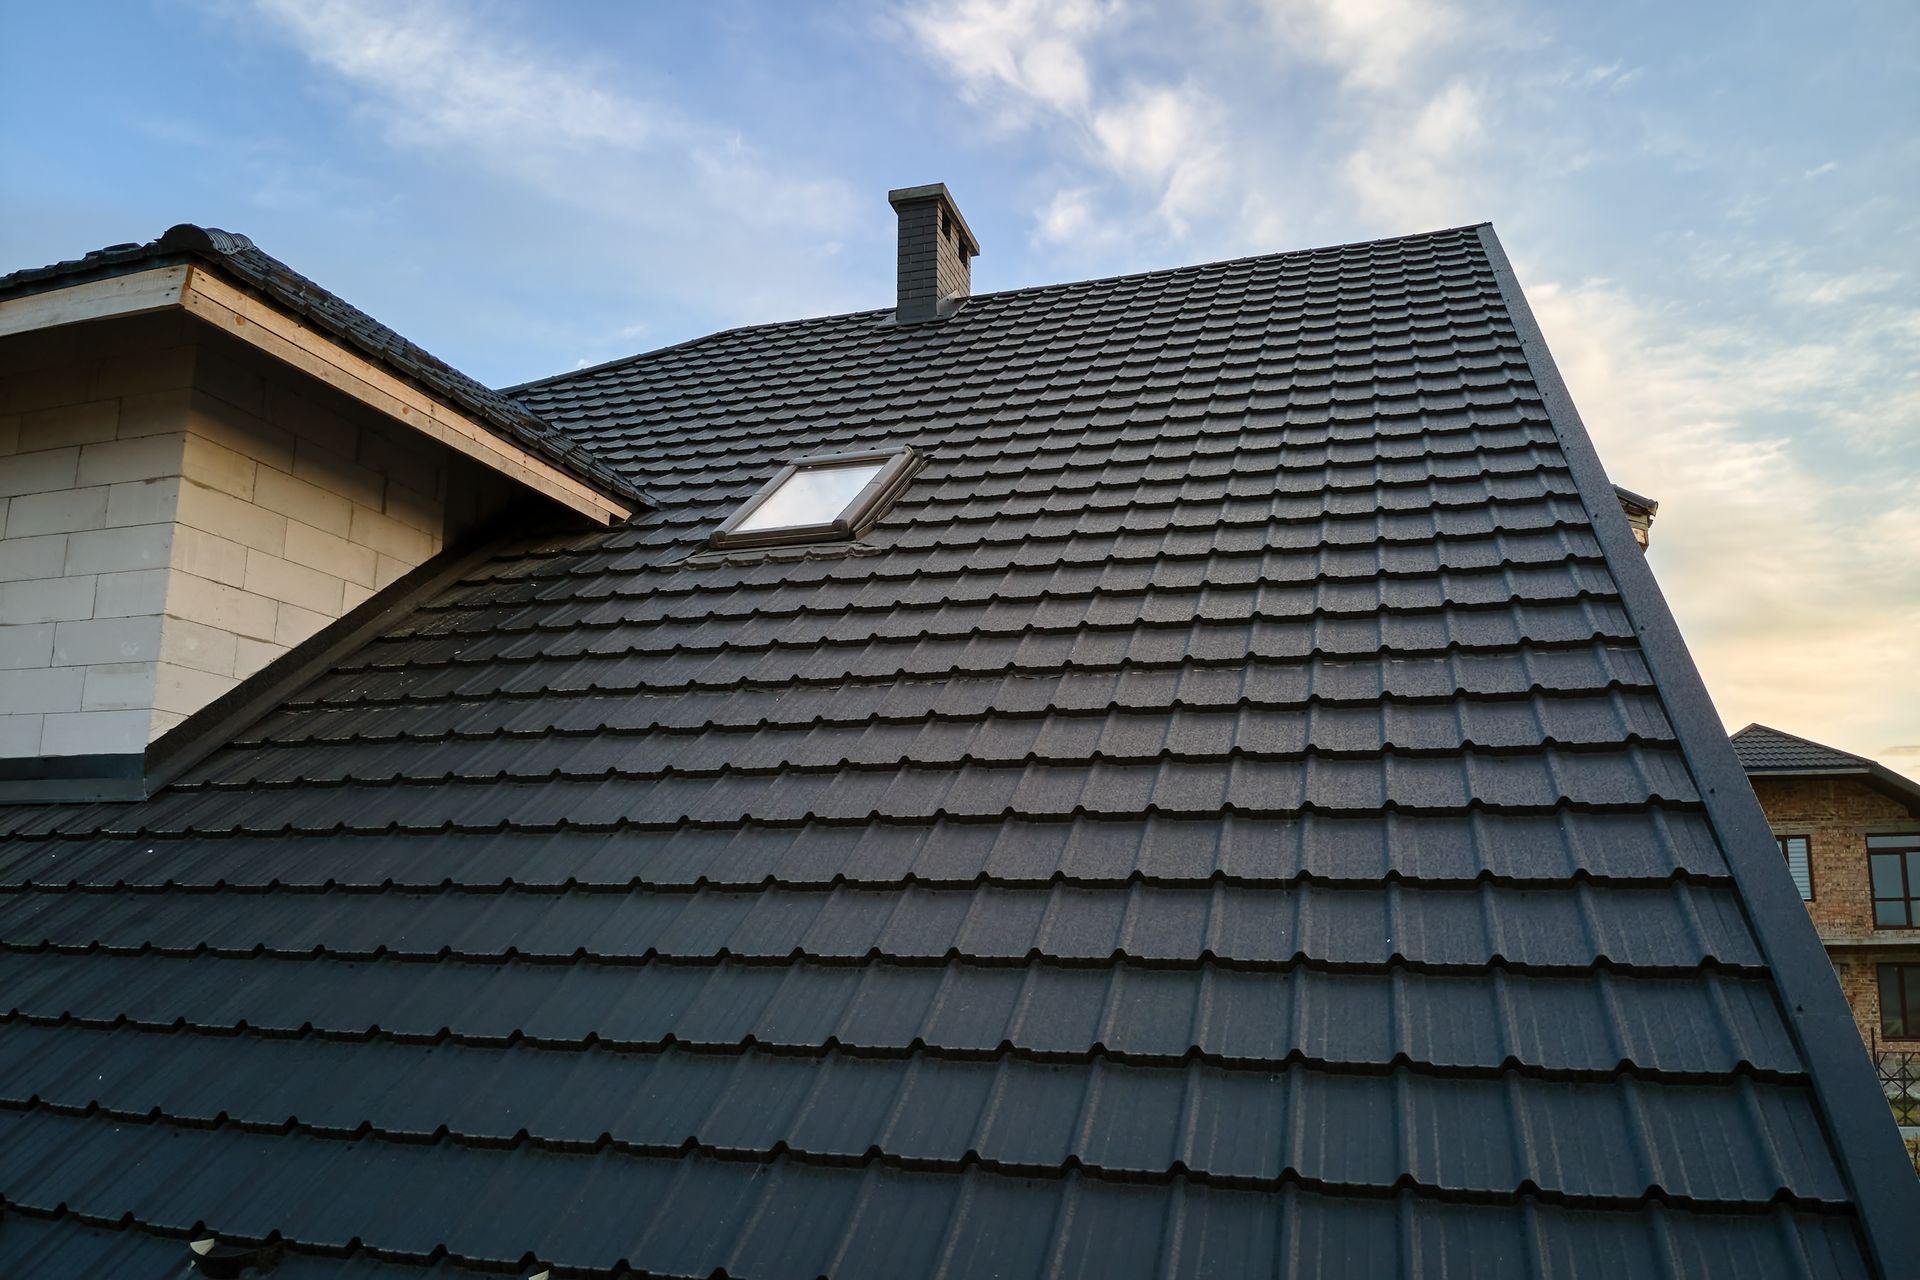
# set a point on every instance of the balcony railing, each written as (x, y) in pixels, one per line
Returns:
(1899, 1072)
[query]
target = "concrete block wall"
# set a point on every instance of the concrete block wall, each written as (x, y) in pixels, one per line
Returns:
(177, 510)
(91, 443)
(296, 505)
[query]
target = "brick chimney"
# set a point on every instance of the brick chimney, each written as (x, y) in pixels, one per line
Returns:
(935, 250)
(1640, 513)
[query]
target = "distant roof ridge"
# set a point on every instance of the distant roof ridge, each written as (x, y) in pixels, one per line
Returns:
(1056, 287)
(1765, 750)
(1757, 728)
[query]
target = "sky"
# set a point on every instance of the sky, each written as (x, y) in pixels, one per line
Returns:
(1712, 208)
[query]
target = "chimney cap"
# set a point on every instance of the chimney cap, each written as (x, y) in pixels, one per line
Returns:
(936, 191)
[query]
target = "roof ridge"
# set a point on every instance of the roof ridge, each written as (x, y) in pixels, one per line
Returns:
(1794, 737)
(1055, 287)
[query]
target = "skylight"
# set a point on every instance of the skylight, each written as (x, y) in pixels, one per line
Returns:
(819, 497)
(811, 495)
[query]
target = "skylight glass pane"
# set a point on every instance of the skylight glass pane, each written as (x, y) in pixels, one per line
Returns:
(811, 495)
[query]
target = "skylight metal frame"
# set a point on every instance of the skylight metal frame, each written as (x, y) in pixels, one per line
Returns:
(898, 466)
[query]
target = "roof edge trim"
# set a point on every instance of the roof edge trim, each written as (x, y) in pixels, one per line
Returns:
(1875, 775)
(203, 291)
(318, 355)
(109, 297)
(1866, 1144)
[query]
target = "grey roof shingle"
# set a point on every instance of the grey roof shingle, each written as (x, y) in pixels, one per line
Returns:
(1760, 747)
(1223, 819)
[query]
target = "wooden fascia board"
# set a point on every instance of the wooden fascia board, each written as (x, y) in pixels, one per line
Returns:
(204, 295)
(127, 295)
(261, 326)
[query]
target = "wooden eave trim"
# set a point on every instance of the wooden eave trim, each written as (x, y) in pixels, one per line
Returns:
(279, 335)
(124, 295)
(202, 294)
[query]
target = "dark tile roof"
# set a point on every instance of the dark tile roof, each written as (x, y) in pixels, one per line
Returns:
(1761, 747)
(1765, 751)
(236, 258)
(1236, 814)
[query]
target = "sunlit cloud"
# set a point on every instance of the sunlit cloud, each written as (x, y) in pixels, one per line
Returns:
(1801, 614)
(1795, 574)
(1027, 64)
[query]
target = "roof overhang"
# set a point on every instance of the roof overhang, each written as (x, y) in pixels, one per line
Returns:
(202, 294)
(1858, 942)
(1879, 777)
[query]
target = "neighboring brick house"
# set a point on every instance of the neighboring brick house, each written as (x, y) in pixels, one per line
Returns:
(1850, 831)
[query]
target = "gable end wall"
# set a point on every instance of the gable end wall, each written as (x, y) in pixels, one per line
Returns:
(176, 511)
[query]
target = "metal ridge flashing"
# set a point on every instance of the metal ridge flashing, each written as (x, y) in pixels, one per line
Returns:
(1860, 1126)
(136, 776)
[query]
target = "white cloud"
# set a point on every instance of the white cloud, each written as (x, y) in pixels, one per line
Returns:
(434, 80)
(1826, 290)
(1800, 613)
(1409, 172)
(1610, 76)
(1167, 141)
(1028, 63)
(1016, 53)
(1410, 115)
(1449, 121)
(659, 208)
(451, 83)
(1374, 44)
(1067, 217)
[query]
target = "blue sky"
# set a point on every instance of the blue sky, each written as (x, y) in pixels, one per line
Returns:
(1713, 209)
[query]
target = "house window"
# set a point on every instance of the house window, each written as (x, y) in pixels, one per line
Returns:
(833, 495)
(1894, 867)
(1795, 850)
(1900, 1000)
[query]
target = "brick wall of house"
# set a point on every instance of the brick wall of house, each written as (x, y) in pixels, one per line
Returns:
(1836, 815)
(176, 510)
(1860, 980)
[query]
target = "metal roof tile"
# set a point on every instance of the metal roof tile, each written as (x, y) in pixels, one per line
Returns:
(1231, 756)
